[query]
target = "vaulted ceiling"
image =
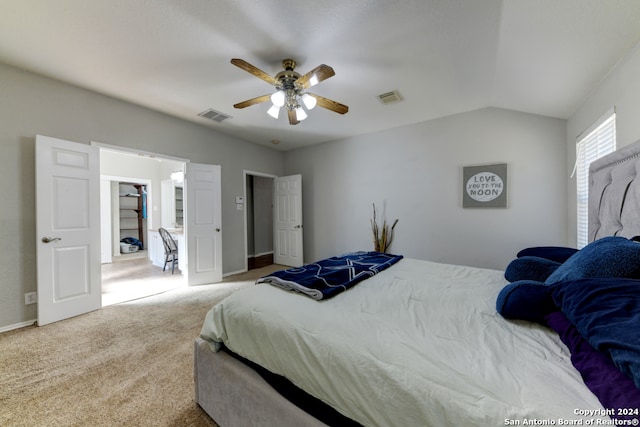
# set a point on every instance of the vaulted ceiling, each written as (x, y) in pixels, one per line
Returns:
(443, 56)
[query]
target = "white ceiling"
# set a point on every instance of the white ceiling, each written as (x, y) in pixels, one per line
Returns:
(443, 56)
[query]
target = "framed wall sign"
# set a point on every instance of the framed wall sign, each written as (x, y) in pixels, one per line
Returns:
(484, 186)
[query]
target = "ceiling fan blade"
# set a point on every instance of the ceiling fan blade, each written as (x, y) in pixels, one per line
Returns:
(252, 101)
(241, 63)
(293, 120)
(315, 76)
(330, 104)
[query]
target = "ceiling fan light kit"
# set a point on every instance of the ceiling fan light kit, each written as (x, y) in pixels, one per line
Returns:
(291, 89)
(274, 111)
(300, 114)
(309, 101)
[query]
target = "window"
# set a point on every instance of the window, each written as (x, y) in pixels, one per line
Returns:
(599, 141)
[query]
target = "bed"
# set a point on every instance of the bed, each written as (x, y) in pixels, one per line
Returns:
(422, 343)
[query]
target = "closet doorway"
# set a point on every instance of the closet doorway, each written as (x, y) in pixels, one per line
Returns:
(132, 210)
(258, 207)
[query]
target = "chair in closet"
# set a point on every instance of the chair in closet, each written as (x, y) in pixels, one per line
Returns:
(170, 249)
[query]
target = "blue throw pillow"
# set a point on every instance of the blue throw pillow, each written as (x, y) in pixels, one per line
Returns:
(530, 268)
(525, 300)
(553, 253)
(606, 257)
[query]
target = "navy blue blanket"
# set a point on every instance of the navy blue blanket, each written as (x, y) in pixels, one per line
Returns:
(328, 277)
(614, 389)
(606, 312)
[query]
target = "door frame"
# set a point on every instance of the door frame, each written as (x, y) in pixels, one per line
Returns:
(142, 153)
(111, 179)
(245, 174)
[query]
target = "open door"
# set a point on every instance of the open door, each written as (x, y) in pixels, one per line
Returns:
(203, 223)
(287, 237)
(67, 229)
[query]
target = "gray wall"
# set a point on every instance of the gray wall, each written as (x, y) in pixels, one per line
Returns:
(416, 171)
(35, 105)
(621, 89)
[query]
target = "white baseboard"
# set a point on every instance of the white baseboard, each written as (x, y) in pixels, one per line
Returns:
(263, 253)
(234, 272)
(17, 326)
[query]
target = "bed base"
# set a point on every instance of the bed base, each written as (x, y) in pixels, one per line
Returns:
(233, 394)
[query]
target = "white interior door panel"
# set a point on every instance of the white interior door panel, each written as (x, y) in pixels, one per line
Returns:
(204, 242)
(288, 221)
(67, 229)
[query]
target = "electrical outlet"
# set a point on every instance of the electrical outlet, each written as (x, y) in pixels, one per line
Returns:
(30, 298)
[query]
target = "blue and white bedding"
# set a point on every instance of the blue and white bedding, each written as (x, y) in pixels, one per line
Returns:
(329, 277)
(418, 344)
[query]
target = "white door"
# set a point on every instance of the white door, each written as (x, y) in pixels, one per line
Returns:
(67, 229)
(287, 195)
(204, 242)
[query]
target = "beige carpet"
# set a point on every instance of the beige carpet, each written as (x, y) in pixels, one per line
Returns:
(128, 364)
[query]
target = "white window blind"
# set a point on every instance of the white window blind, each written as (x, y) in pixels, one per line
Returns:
(598, 142)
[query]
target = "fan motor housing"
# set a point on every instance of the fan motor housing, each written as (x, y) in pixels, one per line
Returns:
(288, 64)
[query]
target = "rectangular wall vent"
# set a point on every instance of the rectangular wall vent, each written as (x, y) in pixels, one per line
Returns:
(390, 97)
(214, 115)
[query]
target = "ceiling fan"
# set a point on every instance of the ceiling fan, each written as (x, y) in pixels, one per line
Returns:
(291, 90)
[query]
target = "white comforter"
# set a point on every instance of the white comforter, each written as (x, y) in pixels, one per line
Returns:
(419, 344)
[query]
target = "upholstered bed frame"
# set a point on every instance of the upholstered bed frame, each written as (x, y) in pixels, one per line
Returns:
(614, 194)
(235, 395)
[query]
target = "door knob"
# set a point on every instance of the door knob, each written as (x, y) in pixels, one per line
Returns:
(50, 239)
(298, 226)
(218, 230)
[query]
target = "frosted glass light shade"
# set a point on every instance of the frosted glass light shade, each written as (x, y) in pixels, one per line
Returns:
(309, 101)
(278, 98)
(274, 111)
(300, 114)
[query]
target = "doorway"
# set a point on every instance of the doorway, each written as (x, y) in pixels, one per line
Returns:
(68, 223)
(258, 205)
(132, 210)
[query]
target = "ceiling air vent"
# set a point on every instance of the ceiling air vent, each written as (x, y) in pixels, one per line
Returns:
(390, 97)
(214, 115)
